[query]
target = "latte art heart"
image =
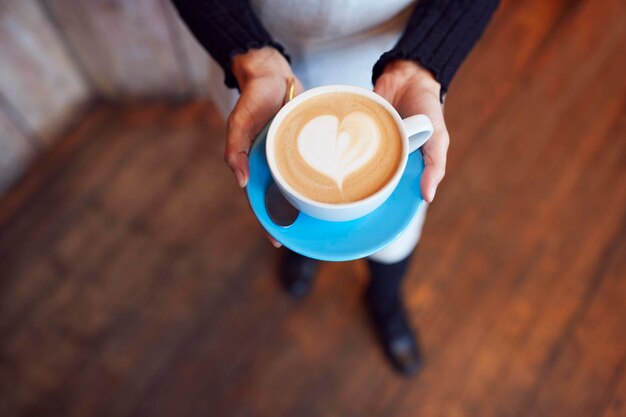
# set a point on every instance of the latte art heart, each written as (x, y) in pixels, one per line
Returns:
(338, 148)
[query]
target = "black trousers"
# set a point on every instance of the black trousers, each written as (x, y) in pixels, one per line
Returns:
(384, 290)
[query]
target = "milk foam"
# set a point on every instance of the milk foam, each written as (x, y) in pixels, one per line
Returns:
(338, 148)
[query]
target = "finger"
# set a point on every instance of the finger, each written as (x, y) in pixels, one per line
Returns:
(240, 128)
(436, 149)
(255, 107)
(386, 88)
(273, 241)
(299, 87)
(435, 154)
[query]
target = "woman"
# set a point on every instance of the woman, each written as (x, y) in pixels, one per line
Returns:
(409, 50)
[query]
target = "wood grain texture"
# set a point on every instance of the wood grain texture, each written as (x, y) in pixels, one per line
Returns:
(126, 47)
(16, 151)
(37, 78)
(192, 55)
(154, 292)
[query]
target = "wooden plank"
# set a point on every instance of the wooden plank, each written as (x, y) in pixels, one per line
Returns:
(95, 246)
(49, 163)
(61, 199)
(590, 359)
(303, 342)
(38, 77)
(94, 319)
(16, 152)
(493, 70)
(195, 58)
(548, 184)
(617, 403)
(124, 46)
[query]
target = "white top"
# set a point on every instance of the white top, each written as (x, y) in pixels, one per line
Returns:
(329, 41)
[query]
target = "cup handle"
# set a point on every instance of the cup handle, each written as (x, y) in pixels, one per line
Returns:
(419, 129)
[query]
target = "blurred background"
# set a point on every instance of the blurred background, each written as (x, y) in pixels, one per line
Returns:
(135, 281)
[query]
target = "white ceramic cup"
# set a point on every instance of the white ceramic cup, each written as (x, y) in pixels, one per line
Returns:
(414, 131)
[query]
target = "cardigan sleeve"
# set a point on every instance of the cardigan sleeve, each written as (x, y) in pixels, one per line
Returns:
(439, 35)
(225, 28)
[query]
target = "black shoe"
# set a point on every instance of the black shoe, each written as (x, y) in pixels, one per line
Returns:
(398, 339)
(297, 273)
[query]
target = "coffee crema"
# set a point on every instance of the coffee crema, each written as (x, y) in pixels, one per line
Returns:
(338, 147)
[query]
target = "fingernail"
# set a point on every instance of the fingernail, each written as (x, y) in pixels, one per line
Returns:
(241, 180)
(432, 192)
(276, 244)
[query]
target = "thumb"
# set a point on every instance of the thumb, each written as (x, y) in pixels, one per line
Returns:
(385, 88)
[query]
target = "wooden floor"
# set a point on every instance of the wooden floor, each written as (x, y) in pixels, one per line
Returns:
(135, 282)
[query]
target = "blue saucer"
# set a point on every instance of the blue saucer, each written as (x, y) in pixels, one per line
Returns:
(337, 241)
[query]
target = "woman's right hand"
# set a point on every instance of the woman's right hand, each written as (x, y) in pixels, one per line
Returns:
(263, 76)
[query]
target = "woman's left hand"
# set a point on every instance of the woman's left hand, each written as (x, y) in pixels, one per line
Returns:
(412, 89)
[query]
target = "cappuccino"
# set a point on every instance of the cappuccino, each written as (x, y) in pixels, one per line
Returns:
(338, 147)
